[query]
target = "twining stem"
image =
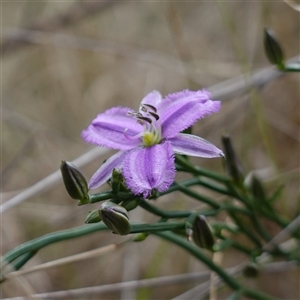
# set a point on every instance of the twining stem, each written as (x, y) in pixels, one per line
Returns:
(58, 236)
(21, 261)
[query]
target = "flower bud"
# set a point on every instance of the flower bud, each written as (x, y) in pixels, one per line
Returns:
(93, 217)
(116, 180)
(115, 217)
(202, 235)
(75, 182)
(273, 49)
(232, 164)
(257, 188)
(139, 237)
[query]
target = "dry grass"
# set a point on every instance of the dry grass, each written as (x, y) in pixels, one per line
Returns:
(54, 86)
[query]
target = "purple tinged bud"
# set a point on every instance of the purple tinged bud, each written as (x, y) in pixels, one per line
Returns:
(115, 217)
(75, 182)
(201, 233)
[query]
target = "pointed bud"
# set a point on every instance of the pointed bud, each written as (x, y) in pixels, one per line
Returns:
(116, 180)
(93, 217)
(139, 237)
(115, 217)
(257, 188)
(202, 235)
(273, 49)
(75, 182)
(232, 164)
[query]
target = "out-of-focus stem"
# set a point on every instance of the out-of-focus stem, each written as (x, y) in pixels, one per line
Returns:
(194, 250)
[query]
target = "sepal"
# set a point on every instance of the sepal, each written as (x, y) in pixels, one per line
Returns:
(93, 217)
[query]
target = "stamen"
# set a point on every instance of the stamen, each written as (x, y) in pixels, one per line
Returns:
(130, 137)
(146, 116)
(145, 119)
(131, 113)
(153, 108)
(155, 116)
(144, 109)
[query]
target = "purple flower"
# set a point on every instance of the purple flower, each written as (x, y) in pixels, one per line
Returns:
(147, 139)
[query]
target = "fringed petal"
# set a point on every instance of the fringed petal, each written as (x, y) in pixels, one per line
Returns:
(179, 111)
(107, 130)
(149, 168)
(105, 171)
(192, 145)
(153, 98)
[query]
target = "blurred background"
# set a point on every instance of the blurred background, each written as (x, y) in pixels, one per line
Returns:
(65, 62)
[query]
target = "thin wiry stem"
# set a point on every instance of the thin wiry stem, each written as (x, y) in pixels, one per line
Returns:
(153, 282)
(200, 290)
(222, 90)
(72, 233)
(67, 260)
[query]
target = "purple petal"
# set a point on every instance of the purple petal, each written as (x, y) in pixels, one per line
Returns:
(181, 110)
(107, 130)
(193, 145)
(200, 95)
(149, 168)
(104, 172)
(153, 98)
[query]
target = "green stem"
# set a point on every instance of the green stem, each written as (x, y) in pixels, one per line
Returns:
(243, 228)
(163, 213)
(24, 259)
(194, 250)
(174, 187)
(232, 208)
(101, 196)
(43, 241)
(214, 187)
(292, 67)
(160, 226)
(197, 196)
(51, 238)
(20, 262)
(200, 171)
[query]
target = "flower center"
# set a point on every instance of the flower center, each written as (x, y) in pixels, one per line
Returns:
(149, 139)
(148, 117)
